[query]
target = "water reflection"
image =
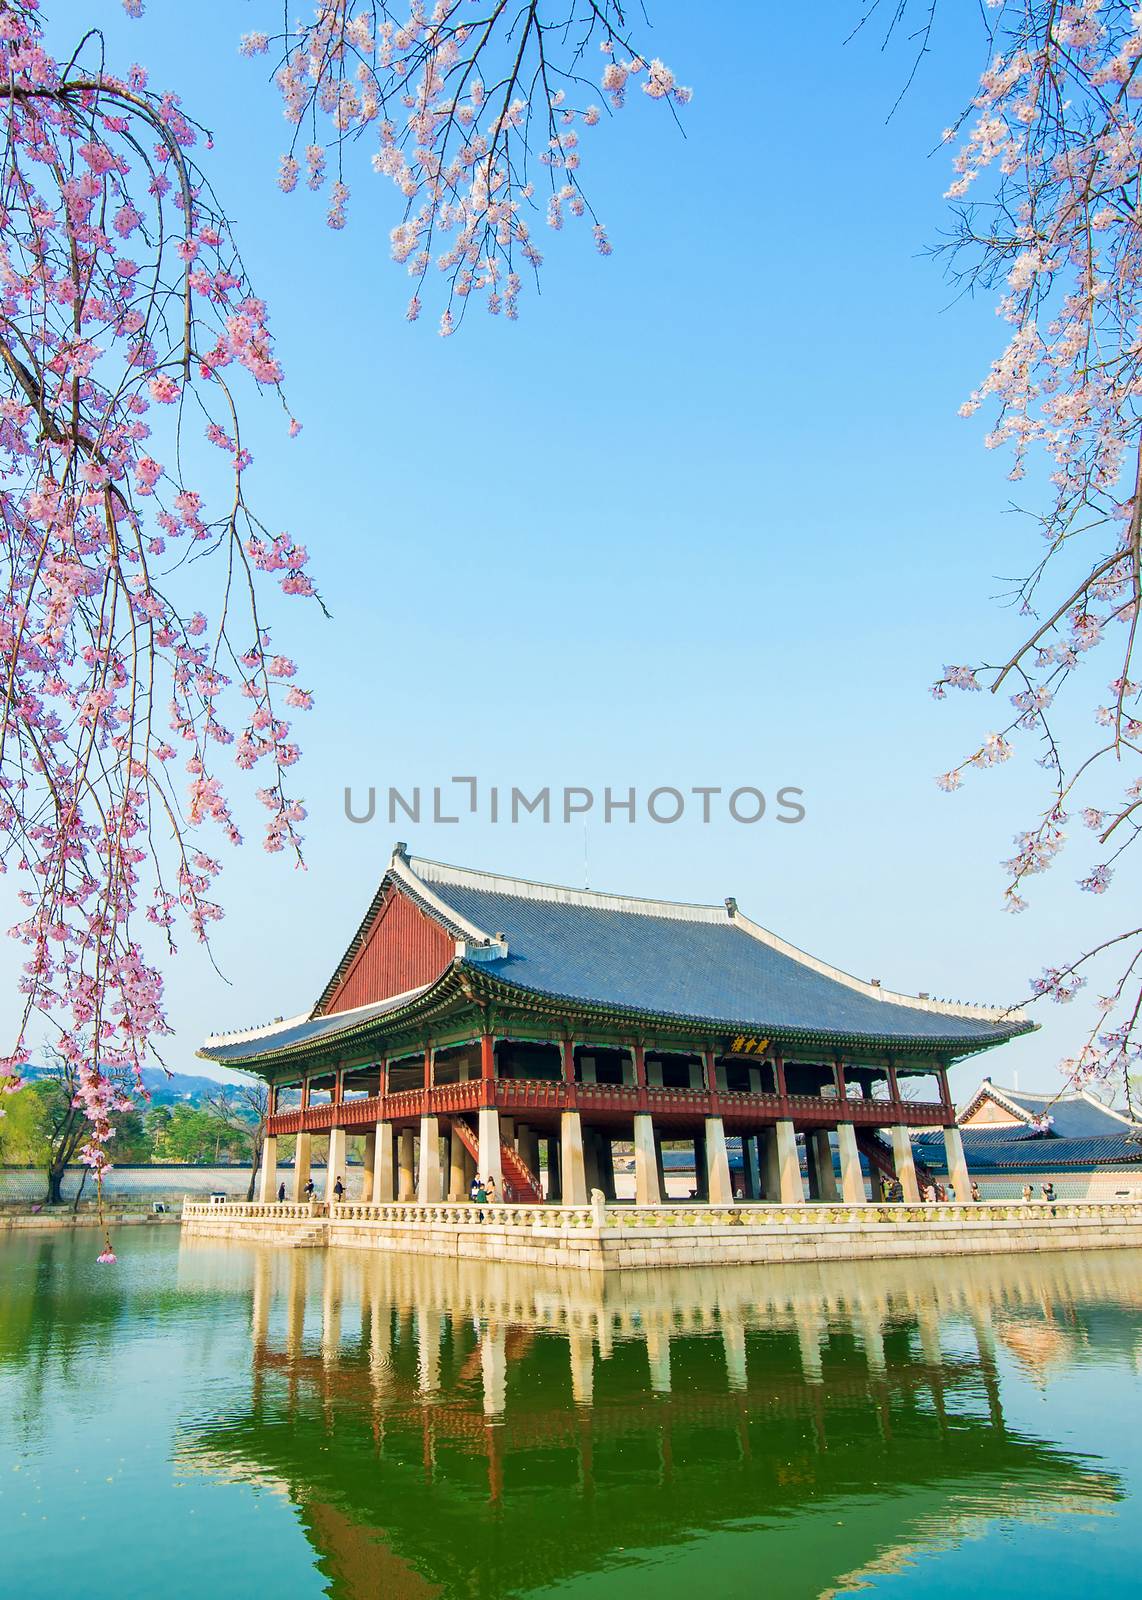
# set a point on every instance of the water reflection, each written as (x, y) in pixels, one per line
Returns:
(459, 1429)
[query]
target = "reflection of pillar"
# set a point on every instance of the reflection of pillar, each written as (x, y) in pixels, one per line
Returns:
(260, 1300)
(369, 1162)
(383, 1175)
(457, 1167)
(872, 1336)
(958, 1174)
(826, 1174)
(295, 1314)
(720, 1188)
(494, 1370)
(331, 1309)
(428, 1187)
(581, 1349)
(407, 1175)
(852, 1179)
(490, 1164)
(301, 1165)
(752, 1167)
(646, 1190)
(809, 1342)
(571, 1159)
(905, 1166)
(658, 1356)
(733, 1341)
(770, 1164)
(789, 1167)
(427, 1349)
(336, 1166)
(268, 1188)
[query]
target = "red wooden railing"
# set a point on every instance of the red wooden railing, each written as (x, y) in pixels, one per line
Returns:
(521, 1095)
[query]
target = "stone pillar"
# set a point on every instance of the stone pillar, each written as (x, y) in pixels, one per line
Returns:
(301, 1165)
(661, 1165)
(571, 1160)
(770, 1164)
(406, 1189)
(606, 1165)
(721, 1189)
(336, 1165)
(268, 1177)
(826, 1174)
(428, 1183)
(591, 1160)
(646, 1189)
(383, 1174)
(905, 1166)
(852, 1179)
(791, 1188)
(958, 1174)
(457, 1167)
(554, 1173)
(489, 1158)
(369, 1165)
(752, 1172)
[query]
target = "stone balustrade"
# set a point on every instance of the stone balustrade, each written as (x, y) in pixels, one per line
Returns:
(599, 1236)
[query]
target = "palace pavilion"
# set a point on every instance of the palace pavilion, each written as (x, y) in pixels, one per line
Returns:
(479, 1023)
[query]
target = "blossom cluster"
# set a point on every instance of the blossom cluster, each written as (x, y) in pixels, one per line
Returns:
(126, 326)
(460, 111)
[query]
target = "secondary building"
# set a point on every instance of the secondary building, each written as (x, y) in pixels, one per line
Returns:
(479, 1023)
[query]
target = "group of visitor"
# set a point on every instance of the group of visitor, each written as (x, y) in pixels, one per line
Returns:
(1046, 1192)
(892, 1191)
(482, 1191)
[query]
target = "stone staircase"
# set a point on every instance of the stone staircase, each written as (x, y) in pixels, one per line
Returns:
(877, 1151)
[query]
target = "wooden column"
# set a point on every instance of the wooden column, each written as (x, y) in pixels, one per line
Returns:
(945, 1091)
(842, 1086)
(305, 1094)
(639, 1054)
(893, 1083)
(709, 1072)
(779, 1072)
(427, 1067)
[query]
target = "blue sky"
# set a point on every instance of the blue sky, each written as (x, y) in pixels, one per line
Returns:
(705, 515)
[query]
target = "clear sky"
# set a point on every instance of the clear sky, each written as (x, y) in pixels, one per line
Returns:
(705, 515)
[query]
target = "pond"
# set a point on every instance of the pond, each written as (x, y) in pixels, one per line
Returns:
(218, 1420)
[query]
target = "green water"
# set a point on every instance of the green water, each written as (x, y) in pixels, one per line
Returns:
(209, 1420)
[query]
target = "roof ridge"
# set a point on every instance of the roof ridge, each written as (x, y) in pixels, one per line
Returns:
(429, 872)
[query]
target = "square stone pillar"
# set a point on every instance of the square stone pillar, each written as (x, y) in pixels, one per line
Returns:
(458, 1180)
(646, 1189)
(301, 1165)
(268, 1176)
(770, 1165)
(701, 1169)
(720, 1189)
(591, 1160)
(383, 1173)
(406, 1175)
(826, 1173)
(852, 1179)
(661, 1165)
(572, 1164)
(905, 1166)
(428, 1185)
(958, 1174)
(335, 1167)
(752, 1167)
(489, 1158)
(791, 1188)
(368, 1163)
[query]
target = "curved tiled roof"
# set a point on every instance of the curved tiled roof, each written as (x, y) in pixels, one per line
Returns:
(700, 963)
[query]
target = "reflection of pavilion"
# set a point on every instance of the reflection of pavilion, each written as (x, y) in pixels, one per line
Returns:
(468, 1429)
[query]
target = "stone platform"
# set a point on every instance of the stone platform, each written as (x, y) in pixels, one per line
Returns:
(602, 1237)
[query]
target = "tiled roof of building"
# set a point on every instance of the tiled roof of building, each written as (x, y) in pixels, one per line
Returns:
(696, 962)
(1073, 1114)
(987, 1152)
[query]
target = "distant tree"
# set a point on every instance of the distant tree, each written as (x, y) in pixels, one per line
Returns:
(244, 1111)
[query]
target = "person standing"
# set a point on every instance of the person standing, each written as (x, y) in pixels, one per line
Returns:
(338, 1191)
(281, 1192)
(490, 1187)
